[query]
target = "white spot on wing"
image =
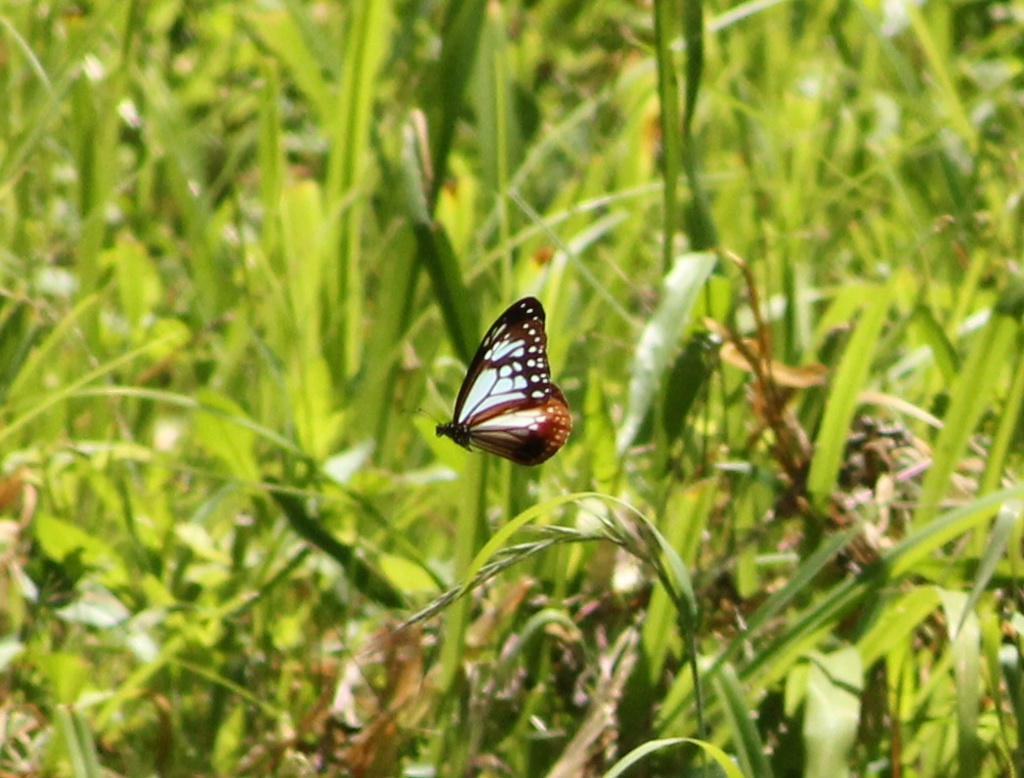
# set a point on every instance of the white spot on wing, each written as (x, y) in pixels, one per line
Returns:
(478, 393)
(512, 420)
(505, 349)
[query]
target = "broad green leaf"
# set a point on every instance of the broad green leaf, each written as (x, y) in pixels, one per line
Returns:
(659, 341)
(95, 607)
(65, 674)
(222, 429)
(832, 712)
(138, 282)
(312, 397)
(59, 539)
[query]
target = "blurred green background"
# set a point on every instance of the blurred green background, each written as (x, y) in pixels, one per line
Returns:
(246, 252)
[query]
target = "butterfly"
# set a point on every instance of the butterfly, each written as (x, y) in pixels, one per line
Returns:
(508, 404)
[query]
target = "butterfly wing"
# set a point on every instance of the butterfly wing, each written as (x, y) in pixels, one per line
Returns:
(507, 404)
(527, 436)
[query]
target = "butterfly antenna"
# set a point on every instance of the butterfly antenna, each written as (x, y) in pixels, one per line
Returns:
(429, 416)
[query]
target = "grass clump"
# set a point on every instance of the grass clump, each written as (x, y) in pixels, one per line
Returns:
(247, 252)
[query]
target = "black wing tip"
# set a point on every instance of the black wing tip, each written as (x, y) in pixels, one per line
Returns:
(527, 307)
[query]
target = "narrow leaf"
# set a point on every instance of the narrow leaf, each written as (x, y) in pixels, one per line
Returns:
(850, 378)
(658, 342)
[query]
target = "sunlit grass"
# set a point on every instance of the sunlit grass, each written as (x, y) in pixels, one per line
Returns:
(245, 255)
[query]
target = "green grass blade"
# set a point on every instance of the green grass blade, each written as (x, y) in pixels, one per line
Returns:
(349, 129)
(843, 399)
(976, 384)
(742, 722)
(1000, 457)
(658, 342)
(460, 39)
(666, 22)
(1006, 525)
(434, 251)
(967, 671)
(641, 752)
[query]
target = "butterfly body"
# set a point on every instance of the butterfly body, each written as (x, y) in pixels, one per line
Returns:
(508, 404)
